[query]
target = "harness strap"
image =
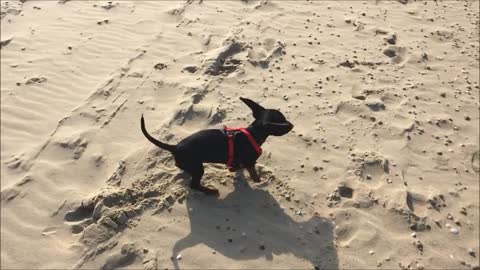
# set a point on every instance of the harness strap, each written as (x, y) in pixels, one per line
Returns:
(252, 141)
(230, 151)
(231, 145)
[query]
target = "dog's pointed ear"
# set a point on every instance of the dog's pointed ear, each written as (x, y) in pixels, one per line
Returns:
(278, 129)
(255, 107)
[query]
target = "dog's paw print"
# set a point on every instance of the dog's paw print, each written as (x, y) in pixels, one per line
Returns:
(78, 145)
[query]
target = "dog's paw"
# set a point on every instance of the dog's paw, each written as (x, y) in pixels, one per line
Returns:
(257, 180)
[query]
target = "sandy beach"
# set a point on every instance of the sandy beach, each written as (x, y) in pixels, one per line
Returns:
(381, 170)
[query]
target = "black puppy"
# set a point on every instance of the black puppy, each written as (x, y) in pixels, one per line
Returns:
(213, 146)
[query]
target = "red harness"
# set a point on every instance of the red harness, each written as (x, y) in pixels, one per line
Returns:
(231, 147)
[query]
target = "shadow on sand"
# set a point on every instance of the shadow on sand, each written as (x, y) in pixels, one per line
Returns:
(249, 223)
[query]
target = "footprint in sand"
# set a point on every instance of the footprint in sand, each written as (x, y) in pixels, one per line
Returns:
(77, 144)
(270, 50)
(374, 168)
(348, 111)
(221, 61)
(83, 212)
(370, 167)
(396, 53)
(196, 112)
(81, 217)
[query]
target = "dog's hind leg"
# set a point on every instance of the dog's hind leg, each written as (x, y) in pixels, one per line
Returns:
(196, 171)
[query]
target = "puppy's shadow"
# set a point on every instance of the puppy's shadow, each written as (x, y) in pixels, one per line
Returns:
(249, 223)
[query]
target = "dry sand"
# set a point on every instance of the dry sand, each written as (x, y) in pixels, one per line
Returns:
(381, 170)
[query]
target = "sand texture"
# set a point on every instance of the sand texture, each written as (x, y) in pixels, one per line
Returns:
(380, 172)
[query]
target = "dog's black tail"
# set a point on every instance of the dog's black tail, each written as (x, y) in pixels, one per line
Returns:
(158, 143)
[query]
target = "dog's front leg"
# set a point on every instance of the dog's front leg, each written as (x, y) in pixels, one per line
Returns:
(253, 174)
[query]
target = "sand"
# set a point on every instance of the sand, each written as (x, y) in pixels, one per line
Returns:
(380, 172)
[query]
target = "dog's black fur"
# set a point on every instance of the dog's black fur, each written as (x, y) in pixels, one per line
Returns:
(211, 145)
